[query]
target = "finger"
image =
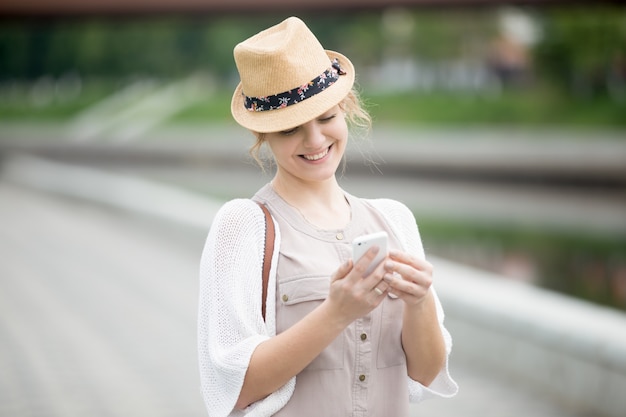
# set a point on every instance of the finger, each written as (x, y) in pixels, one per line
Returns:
(405, 289)
(381, 288)
(409, 298)
(410, 267)
(409, 273)
(360, 266)
(342, 271)
(406, 258)
(375, 279)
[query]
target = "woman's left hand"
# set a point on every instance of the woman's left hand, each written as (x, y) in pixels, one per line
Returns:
(408, 277)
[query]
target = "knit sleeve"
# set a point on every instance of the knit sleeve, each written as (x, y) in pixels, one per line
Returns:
(230, 324)
(404, 226)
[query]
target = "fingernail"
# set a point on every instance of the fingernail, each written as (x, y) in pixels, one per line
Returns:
(388, 278)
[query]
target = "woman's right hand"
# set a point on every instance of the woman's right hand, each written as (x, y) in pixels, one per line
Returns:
(351, 294)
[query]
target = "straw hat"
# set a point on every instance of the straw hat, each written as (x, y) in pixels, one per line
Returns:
(287, 78)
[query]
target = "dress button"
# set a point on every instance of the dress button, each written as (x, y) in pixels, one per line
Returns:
(361, 378)
(363, 336)
(339, 236)
(285, 297)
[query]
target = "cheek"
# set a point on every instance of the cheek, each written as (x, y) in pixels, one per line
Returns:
(278, 154)
(340, 131)
(342, 135)
(274, 144)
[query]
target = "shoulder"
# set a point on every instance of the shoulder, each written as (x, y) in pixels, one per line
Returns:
(401, 222)
(238, 206)
(236, 236)
(386, 203)
(238, 220)
(393, 210)
(241, 211)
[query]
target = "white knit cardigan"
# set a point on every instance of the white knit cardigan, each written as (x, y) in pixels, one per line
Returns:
(230, 325)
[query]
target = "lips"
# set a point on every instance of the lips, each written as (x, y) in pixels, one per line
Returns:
(317, 156)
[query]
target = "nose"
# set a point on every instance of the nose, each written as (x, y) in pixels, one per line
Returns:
(313, 135)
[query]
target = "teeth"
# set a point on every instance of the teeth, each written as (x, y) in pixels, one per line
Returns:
(316, 156)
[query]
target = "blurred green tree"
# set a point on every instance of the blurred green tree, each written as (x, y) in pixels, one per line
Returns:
(582, 49)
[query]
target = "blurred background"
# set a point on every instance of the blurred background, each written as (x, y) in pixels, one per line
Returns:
(501, 124)
(550, 70)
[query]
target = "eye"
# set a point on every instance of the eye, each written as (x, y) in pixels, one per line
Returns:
(290, 131)
(324, 119)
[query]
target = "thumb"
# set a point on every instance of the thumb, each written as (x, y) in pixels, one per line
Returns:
(342, 271)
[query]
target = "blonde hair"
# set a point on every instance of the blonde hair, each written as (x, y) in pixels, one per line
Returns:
(357, 117)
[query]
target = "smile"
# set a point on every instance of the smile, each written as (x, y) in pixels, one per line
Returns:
(317, 156)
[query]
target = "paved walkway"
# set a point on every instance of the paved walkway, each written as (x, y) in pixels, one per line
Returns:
(97, 311)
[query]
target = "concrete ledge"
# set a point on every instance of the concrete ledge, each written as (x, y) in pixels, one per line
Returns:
(570, 349)
(120, 191)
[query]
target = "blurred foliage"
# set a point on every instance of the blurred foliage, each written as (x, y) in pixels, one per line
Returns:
(117, 48)
(575, 42)
(591, 267)
(584, 51)
(417, 65)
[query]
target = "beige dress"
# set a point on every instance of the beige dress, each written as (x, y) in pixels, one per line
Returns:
(363, 372)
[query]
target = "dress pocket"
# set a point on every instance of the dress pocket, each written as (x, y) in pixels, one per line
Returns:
(297, 297)
(390, 351)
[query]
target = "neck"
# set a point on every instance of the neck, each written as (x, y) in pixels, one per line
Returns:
(322, 204)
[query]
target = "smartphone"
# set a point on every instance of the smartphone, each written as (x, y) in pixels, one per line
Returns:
(361, 244)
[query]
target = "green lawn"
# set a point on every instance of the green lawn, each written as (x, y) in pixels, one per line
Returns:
(532, 108)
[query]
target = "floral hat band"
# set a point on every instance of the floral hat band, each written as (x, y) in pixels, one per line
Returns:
(298, 94)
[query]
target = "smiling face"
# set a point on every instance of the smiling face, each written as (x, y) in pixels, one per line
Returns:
(312, 151)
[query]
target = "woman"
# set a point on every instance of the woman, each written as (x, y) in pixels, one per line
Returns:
(334, 342)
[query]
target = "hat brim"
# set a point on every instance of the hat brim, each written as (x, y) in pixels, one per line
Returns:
(300, 113)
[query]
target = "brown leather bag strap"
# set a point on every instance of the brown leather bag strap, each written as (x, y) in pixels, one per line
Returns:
(269, 251)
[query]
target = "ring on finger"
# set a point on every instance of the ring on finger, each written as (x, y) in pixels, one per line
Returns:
(378, 291)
